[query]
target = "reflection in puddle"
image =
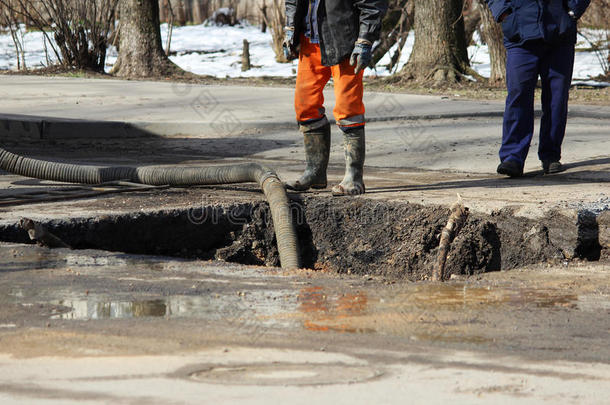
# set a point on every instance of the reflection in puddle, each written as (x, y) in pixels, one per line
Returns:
(262, 307)
(82, 260)
(444, 313)
(112, 309)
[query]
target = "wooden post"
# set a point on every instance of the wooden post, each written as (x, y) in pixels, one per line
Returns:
(245, 57)
(188, 11)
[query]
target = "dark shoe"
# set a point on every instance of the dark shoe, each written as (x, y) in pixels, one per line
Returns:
(353, 183)
(552, 167)
(317, 150)
(510, 168)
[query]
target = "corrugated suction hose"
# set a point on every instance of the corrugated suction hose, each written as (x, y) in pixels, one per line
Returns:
(174, 176)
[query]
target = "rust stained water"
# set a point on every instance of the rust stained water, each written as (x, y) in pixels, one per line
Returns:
(434, 309)
(325, 313)
(455, 296)
(249, 297)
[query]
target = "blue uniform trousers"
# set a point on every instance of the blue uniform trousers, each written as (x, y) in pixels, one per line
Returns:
(554, 64)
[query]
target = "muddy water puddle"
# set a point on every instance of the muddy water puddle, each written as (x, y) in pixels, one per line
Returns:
(260, 307)
(458, 296)
(319, 308)
(101, 286)
(429, 311)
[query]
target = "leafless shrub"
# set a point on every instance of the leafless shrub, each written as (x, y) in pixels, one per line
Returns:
(10, 20)
(394, 30)
(597, 17)
(599, 43)
(80, 28)
(275, 19)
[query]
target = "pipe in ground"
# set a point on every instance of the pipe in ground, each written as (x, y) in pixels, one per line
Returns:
(174, 176)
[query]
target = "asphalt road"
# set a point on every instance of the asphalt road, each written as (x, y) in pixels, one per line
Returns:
(100, 327)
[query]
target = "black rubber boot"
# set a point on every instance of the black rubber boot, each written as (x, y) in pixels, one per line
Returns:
(317, 149)
(510, 168)
(353, 183)
(552, 166)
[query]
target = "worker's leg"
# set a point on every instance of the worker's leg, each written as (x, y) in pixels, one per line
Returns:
(349, 114)
(312, 76)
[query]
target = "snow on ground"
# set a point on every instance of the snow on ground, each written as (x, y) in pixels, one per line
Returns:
(33, 44)
(216, 51)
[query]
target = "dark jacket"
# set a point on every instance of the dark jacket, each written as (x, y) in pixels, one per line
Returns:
(340, 24)
(538, 19)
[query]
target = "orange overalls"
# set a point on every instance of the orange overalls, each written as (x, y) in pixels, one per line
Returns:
(312, 76)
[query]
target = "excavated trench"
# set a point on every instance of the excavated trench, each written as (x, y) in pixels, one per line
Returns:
(357, 236)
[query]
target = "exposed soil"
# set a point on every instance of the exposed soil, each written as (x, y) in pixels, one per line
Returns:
(400, 240)
(347, 236)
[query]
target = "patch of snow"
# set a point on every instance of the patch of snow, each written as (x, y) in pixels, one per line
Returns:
(381, 68)
(33, 43)
(591, 83)
(223, 10)
(216, 51)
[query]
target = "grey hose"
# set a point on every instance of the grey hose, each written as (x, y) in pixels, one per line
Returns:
(174, 176)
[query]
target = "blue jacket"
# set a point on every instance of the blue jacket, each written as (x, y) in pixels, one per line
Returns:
(549, 20)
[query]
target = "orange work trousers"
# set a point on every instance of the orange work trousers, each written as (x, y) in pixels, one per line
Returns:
(312, 76)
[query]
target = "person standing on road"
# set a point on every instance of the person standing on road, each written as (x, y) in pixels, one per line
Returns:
(331, 38)
(539, 36)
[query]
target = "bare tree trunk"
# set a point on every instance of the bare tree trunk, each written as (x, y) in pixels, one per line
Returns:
(197, 12)
(491, 33)
(188, 11)
(396, 57)
(264, 17)
(472, 19)
(181, 14)
(439, 53)
(163, 7)
(140, 50)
